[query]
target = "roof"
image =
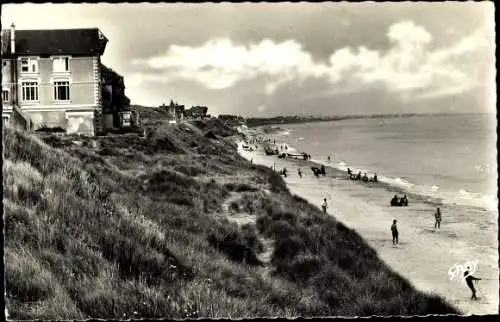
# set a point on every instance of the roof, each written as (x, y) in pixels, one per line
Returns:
(56, 42)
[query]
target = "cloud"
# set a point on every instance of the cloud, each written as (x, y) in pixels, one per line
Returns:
(411, 67)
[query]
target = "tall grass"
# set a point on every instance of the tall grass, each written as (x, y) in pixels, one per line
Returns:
(123, 227)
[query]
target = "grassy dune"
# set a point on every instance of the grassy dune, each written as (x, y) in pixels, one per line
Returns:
(130, 227)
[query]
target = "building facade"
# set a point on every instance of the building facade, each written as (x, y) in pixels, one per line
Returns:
(53, 78)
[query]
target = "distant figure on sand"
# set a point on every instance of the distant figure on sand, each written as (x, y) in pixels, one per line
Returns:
(358, 177)
(328, 158)
(284, 172)
(375, 179)
(349, 172)
(469, 278)
(437, 224)
(395, 201)
(323, 170)
(395, 234)
(324, 206)
(365, 178)
(300, 173)
(403, 201)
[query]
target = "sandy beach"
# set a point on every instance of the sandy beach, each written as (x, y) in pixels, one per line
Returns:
(424, 255)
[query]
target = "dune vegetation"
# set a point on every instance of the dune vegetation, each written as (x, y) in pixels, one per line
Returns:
(124, 226)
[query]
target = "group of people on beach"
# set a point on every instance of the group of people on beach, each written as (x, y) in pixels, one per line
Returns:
(399, 202)
(395, 201)
(319, 171)
(363, 178)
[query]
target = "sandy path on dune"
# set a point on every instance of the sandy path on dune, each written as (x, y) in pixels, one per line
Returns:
(424, 256)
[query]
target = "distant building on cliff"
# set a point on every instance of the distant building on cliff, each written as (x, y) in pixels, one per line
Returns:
(174, 111)
(55, 79)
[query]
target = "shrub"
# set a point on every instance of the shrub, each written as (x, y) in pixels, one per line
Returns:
(280, 229)
(233, 245)
(240, 187)
(287, 216)
(234, 206)
(287, 248)
(300, 268)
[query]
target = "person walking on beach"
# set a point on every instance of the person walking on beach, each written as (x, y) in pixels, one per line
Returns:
(468, 279)
(300, 173)
(324, 205)
(437, 224)
(395, 234)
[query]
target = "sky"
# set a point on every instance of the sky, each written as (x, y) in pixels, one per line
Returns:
(268, 59)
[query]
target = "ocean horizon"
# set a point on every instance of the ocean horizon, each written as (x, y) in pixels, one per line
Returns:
(450, 158)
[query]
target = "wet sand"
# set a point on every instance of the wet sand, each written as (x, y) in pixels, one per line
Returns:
(424, 255)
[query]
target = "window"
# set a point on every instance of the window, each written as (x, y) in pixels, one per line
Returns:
(5, 96)
(29, 65)
(61, 90)
(30, 91)
(61, 64)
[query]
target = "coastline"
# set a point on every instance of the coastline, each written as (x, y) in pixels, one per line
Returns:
(424, 255)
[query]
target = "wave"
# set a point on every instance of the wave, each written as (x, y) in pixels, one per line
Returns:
(460, 197)
(430, 192)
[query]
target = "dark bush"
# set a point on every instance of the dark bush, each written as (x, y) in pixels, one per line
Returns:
(280, 229)
(240, 187)
(170, 180)
(263, 222)
(233, 245)
(287, 216)
(287, 248)
(300, 268)
(234, 206)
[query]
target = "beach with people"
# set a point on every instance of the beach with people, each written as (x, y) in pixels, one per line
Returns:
(428, 257)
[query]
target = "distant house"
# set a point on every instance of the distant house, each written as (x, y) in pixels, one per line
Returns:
(199, 112)
(174, 110)
(54, 78)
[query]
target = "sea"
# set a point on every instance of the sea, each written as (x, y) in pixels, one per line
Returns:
(451, 158)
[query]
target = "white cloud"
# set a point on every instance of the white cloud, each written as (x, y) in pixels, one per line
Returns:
(410, 67)
(407, 33)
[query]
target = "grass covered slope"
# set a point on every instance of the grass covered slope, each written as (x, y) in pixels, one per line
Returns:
(124, 227)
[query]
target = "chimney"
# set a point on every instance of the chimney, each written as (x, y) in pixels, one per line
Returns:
(12, 38)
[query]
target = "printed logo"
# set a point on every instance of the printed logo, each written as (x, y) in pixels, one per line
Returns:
(456, 272)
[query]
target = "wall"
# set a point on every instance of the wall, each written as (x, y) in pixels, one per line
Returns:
(81, 77)
(18, 121)
(81, 123)
(7, 79)
(47, 118)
